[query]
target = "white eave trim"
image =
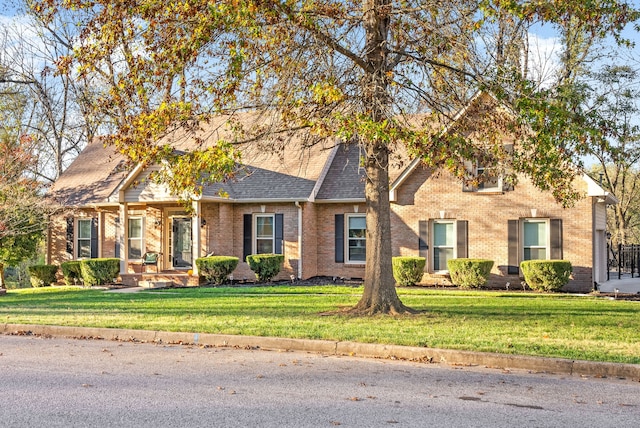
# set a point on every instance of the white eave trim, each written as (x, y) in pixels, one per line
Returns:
(255, 200)
(341, 201)
(130, 178)
(595, 190)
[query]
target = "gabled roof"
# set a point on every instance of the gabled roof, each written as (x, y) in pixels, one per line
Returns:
(90, 178)
(344, 178)
(290, 166)
(475, 100)
(285, 168)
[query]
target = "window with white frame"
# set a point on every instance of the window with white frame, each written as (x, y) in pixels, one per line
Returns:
(134, 237)
(356, 241)
(264, 233)
(84, 238)
(535, 239)
(444, 243)
(487, 178)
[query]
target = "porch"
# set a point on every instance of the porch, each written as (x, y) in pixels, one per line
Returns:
(164, 278)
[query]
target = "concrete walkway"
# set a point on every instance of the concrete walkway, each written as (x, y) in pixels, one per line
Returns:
(625, 285)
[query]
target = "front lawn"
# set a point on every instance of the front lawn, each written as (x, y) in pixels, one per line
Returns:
(553, 325)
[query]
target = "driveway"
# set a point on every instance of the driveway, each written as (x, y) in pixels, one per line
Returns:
(94, 383)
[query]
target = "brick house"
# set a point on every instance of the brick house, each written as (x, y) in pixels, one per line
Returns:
(306, 201)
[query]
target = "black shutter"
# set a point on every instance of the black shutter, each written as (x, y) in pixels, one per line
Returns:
(279, 219)
(423, 239)
(339, 238)
(70, 235)
(247, 236)
(556, 239)
(509, 148)
(513, 230)
(94, 237)
(462, 240)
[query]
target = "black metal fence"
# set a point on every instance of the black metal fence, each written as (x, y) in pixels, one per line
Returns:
(623, 259)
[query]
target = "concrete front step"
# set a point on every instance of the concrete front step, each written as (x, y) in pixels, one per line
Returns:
(148, 280)
(155, 284)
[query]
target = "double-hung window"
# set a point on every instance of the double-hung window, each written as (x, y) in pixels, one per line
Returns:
(487, 180)
(356, 238)
(535, 239)
(84, 238)
(444, 243)
(134, 237)
(265, 234)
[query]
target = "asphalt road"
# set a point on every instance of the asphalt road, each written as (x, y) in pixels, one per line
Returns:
(96, 383)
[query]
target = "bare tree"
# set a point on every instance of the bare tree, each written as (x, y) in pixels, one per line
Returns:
(55, 113)
(614, 112)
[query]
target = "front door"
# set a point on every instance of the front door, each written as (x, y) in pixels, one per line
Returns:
(181, 243)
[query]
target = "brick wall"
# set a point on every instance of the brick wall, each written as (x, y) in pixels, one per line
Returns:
(424, 197)
(326, 262)
(290, 244)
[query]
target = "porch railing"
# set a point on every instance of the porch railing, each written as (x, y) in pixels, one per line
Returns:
(623, 259)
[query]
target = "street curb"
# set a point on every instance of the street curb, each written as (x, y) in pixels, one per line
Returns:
(326, 347)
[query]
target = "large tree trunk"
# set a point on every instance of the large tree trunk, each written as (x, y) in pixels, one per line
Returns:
(379, 285)
(2, 284)
(379, 294)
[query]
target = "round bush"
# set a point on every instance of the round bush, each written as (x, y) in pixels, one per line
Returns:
(42, 275)
(546, 275)
(265, 266)
(469, 273)
(71, 272)
(99, 271)
(216, 269)
(408, 270)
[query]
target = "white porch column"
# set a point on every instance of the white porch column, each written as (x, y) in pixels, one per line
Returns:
(196, 237)
(299, 206)
(123, 216)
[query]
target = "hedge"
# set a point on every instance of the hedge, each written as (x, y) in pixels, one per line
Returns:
(42, 275)
(469, 273)
(408, 270)
(546, 275)
(99, 271)
(265, 266)
(71, 272)
(216, 269)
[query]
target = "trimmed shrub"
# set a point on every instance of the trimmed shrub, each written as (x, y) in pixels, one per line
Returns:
(42, 275)
(99, 271)
(469, 273)
(71, 272)
(265, 266)
(216, 269)
(408, 270)
(546, 275)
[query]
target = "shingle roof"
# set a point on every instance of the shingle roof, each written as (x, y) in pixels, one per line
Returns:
(287, 166)
(345, 177)
(90, 178)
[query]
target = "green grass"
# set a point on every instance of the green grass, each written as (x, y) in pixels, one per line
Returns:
(553, 325)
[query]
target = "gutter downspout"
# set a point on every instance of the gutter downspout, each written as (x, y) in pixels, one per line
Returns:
(299, 239)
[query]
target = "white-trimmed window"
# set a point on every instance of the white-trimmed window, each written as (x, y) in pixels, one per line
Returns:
(487, 178)
(264, 233)
(356, 242)
(444, 243)
(535, 242)
(135, 237)
(83, 241)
